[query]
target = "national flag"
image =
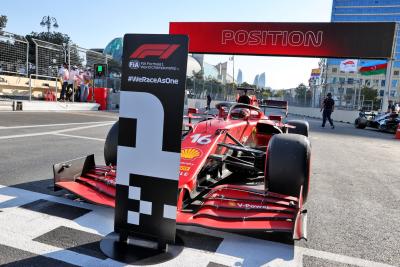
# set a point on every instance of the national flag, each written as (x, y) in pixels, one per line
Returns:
(373, 67)
(315, 73)
(348, 65)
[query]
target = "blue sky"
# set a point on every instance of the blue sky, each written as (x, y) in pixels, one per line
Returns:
(92, 24)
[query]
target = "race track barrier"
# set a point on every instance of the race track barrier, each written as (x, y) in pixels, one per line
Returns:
(338, 115)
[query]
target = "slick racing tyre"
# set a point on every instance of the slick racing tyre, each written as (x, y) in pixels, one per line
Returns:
(360, 123)
(288, 165)
(302, 127)
(110, 146)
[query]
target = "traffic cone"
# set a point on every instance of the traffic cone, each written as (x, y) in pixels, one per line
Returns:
(397, 136)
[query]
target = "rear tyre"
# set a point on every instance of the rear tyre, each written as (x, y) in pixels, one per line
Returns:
(302, 127)
(360, 123)
(288, 165)
(111, 145)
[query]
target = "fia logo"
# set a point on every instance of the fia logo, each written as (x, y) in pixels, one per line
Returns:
(134, 64)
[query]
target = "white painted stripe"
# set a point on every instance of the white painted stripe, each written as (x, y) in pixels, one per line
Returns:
(95, 115)
(341, 258)
(53, 132)
(81, 137)
(52, 125)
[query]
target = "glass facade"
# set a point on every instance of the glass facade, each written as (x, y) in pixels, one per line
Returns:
(367, 11)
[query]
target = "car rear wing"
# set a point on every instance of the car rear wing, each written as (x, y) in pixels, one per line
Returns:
(279, 104)
(274, 104)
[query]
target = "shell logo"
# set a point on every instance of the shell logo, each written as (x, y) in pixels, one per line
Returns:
(190, 153)
(232, 204)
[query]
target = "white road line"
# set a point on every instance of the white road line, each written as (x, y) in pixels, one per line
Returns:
(340, 258)
(51, 125)
(94, 115)
(79, 136)
(54, 132)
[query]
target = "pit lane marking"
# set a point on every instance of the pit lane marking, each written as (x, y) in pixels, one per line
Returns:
(51, 125)
(54, 132)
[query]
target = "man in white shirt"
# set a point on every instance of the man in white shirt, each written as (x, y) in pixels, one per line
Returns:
(63, 73)
(71, 82)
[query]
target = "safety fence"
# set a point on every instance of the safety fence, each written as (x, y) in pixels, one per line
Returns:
(48, 57)
(200, 88)
(345, 99)
(14, 51)
(85, 58)
(30, 69)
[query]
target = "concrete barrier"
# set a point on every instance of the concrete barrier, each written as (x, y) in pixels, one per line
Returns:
(338, 115)
(54, 106)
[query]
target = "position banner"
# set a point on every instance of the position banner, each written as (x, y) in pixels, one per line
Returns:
(149, 141)
(337, 40)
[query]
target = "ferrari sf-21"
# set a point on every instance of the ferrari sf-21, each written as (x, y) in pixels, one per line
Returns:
(241, 170)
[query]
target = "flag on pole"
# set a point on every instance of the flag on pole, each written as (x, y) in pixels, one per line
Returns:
(373, 67)
(315, 73)
(348, 65)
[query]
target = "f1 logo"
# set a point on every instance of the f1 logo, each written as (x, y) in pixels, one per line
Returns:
(163, 51)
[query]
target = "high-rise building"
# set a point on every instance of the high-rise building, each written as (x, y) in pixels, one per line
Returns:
(346, 84)
(256, 80)
(261, 81)
(239, 79)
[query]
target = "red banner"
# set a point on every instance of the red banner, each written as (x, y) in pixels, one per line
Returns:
(337, 40)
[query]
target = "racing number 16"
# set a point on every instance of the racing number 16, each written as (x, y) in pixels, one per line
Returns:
(201, 140)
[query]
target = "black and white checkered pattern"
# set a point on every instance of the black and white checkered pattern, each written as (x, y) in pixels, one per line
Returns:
(147, 176)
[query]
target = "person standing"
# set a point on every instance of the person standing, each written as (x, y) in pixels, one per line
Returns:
(63, 73)
(328, 106)
(85, 85)
(208, 102)
(71, 83)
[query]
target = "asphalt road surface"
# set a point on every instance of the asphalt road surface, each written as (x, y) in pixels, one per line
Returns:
(353, 204)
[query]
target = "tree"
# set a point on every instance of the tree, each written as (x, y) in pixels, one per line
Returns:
(51, 37)
(279, 93)
(371, 94)
(57, 38)
(246, 85)
(266, 93)
(3, 22)
(300, 91)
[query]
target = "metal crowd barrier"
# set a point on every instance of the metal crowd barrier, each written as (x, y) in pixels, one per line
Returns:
(42, 76)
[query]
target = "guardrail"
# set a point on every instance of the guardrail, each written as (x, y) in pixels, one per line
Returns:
(42, 76)
(13, 72)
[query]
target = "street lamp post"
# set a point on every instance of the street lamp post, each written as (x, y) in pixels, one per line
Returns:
(47, 20)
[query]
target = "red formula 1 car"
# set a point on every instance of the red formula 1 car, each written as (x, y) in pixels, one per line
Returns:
(240, 171)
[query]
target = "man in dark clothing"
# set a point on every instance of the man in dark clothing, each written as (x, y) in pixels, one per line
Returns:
(208, 102)
(327, 107)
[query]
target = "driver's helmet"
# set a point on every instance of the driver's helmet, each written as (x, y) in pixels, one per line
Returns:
(244, 99)
(240, 113)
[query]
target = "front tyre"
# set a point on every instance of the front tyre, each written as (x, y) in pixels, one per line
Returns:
(302, 127)
(288, 165)
(111, 145)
